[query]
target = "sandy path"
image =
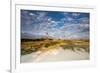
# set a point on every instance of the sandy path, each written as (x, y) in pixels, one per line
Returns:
(58, 54)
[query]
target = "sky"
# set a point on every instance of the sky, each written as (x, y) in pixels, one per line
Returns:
(58, 25)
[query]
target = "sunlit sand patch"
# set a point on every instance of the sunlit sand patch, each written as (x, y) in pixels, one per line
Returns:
(55, 51)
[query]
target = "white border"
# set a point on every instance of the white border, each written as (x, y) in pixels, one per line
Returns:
(16, 66)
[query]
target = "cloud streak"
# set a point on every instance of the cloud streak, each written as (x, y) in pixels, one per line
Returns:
(63, 25)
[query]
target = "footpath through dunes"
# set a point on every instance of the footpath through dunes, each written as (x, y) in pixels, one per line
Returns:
(55, 53)
(28, 47)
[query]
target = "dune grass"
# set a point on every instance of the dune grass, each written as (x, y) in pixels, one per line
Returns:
(30, 46)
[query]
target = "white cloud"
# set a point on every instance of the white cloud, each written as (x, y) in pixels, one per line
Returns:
(41, 14)
(68, 31)
(49, 19)
(75, 31)
(75, 14)
(69, 18)
(84, 20)
(44, 24)
(31, 14)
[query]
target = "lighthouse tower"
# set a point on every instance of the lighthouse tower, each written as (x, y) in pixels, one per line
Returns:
(46, 35)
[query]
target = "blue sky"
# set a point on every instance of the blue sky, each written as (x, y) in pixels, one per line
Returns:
(63, 25)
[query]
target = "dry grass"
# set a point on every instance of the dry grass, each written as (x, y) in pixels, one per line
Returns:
(44, 45)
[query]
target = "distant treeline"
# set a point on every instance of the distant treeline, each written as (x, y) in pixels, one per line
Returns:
(42, 39)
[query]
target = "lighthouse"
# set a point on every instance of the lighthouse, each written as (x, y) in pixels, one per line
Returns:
(46, 35)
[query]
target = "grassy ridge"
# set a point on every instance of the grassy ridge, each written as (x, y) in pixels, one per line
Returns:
(33, 45)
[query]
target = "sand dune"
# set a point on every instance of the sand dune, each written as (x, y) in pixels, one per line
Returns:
(57, 54)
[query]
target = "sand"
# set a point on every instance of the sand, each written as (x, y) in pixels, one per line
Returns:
(53, 55)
